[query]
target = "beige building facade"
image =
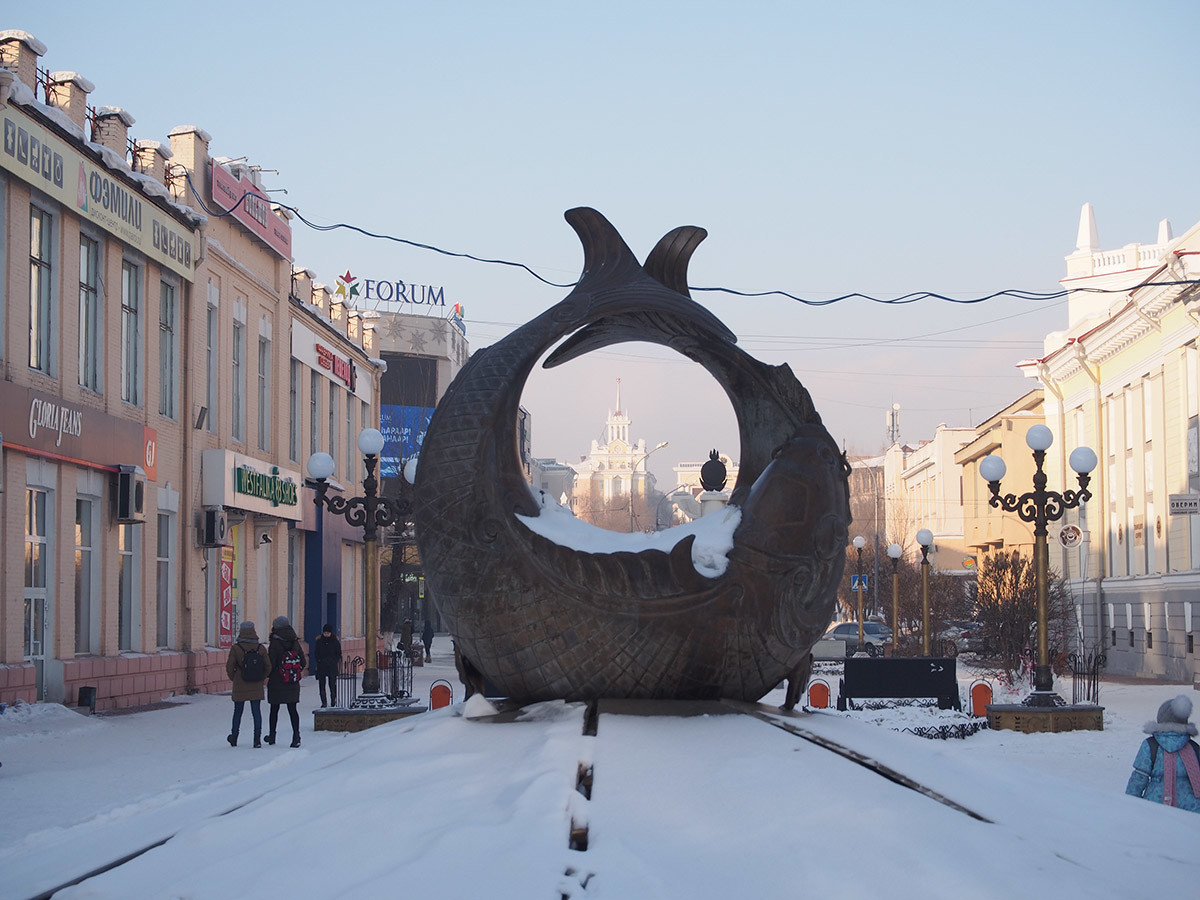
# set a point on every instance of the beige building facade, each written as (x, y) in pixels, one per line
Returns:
(167, 376)
(1124, 379)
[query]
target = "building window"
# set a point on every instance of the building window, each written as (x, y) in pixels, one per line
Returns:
(167, 349)
(294, 411)
(264, 394)
(41, 319)
(333, 409)
(131, 328)
(162, 580)
(36, 561)
(212, 356)
(84, 582)
(125, 575)
(314, 413)
(1149, 640)
(239, 382)
(293, 572)
(89, 313)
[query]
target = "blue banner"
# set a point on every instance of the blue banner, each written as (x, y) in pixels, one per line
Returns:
(403, 430)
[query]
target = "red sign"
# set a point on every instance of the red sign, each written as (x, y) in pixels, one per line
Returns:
(225, 613)
(340, 367)
(254, 211)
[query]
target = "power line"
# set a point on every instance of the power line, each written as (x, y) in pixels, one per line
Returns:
(903, 299)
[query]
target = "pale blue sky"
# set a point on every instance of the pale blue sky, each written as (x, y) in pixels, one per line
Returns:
(827, 148)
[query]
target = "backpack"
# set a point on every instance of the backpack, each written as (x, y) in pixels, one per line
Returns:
(291, 666)
(1154, 750)
(254, 667)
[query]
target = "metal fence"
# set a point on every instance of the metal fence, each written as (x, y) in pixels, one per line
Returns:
(1085, 675)
(395, 678)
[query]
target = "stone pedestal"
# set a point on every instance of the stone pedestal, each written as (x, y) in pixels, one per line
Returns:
(361, 719)
(711, 501)
(1032, 719)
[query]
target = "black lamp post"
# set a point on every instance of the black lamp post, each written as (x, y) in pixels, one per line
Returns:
(925, 539)
(370, 512)
(859, 543)
(895, 551)
(1040, 507)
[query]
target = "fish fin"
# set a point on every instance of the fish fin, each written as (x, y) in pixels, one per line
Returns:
(605, 254)
(668, 261)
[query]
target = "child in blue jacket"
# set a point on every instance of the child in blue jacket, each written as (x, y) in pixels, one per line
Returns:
(1167, 767)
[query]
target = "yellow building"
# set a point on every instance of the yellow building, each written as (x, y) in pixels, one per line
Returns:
(1123, 379)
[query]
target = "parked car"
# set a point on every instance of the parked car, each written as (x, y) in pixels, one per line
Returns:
(875, 637)
(961, 637)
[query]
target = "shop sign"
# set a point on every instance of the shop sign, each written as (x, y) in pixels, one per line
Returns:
(225, 586)
(45, 425)
(245, 202)
(341, 367)
(351, 290)
(38, 156)
(269, 487)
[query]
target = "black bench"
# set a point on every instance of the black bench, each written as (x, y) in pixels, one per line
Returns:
(918, 678)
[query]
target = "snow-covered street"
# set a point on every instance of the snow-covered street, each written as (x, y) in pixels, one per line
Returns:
(714, 805)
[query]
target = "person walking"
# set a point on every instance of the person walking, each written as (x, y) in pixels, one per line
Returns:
(247, 666)
(327, 651)
(1167, 767)
(406, 635)
(283, 685)
(427, 640)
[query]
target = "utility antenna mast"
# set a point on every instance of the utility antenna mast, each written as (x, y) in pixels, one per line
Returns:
(893, 424)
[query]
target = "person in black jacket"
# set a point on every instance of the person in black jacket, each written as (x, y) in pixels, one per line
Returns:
(427, 640)
(327, 651)
(283, 685)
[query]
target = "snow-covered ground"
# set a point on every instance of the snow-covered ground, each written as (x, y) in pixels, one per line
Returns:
(443, 806)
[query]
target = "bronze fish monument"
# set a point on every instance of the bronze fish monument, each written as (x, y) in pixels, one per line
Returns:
(545, 621)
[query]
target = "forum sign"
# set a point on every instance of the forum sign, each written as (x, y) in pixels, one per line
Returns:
(354, 290)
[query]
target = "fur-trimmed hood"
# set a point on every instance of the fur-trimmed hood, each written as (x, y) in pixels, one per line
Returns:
(1170, 728)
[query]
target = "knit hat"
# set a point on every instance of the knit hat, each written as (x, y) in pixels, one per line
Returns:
(327, 627)
(1173, 716)
(246, 631)
(281, 622)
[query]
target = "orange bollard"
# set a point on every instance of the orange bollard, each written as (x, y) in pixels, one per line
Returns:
(981, 696)
(818, 695)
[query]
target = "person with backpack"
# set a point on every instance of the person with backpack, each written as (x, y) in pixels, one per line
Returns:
(247, 666)
(283, 685)
(327, 651)
(1167, 767)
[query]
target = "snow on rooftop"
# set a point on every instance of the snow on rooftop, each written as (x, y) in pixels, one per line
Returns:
(14, 34)
(191, 129)
(64, 77)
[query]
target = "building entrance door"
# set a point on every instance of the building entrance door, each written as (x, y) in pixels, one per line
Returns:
(36, 561)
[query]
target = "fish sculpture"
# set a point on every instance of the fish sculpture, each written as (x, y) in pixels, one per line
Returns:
(542, 621)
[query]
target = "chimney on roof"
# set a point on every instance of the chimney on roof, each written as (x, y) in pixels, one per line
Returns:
(150, 158)
(19, 51)
(320, 298)
(68, 91)
(189, 148)
(110, 128)
(302, 283)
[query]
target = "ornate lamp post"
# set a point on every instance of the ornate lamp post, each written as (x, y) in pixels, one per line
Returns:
(1040, 507)
(859, 543)
(895, 551)
(925, 539)
(370, 512)
(641, 459)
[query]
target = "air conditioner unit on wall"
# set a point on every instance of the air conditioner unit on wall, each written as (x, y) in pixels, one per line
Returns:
(131, 494)
(214, 530)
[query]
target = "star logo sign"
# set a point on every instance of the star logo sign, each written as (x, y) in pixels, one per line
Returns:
(346, 288)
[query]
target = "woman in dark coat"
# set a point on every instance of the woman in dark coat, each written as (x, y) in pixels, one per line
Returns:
(287, 667)
(427, 640)
(246, 691)
(327, 652)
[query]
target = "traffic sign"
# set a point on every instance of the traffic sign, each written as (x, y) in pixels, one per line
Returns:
(854, 582)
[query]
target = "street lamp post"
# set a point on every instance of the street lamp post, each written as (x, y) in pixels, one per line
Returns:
(925, 539)
(1040, 507)
(859, 543)
(370, 512)
(633, 472)
(895, 551)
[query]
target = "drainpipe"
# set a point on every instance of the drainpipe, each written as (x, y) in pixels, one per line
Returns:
(1101, 485)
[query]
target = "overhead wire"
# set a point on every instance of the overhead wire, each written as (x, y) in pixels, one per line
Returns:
(911, 297)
